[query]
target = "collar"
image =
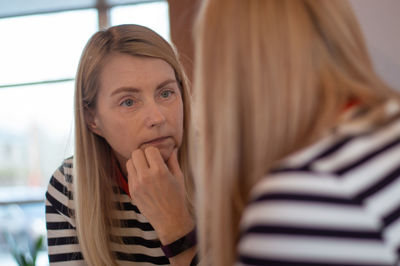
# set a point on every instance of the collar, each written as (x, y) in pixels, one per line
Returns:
(120, 178)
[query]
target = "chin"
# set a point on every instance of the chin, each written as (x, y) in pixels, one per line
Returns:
(166, 153)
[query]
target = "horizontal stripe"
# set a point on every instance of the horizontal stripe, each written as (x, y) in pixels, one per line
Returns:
(65, 170)
(134, 240)
(319, 154)
(60, 187)
(307, 214)
(76, 263)
(119, 231)
(249, 260)
(68, 163)
(50, 209)
(122, 197)
(136, 249)
(306, 248)
(135, 224)
(61, 233)
(332, 149)
(311, 232)
(162, 260)
(59, 206)
(58, 226)
(126, 206)
(380, 184)
(391, 217)
(302, 158)
(56, 217)
(384, 202)
(366, 158)
(67, 248)
(305, 198)
(62, 241)
(68, 178)
(301, 183)
(392, 235)
(65, 257)
(360, 146)
(126, 215)
(361, 179)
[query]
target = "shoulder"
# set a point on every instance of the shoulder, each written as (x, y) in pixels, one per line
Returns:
(60, 189)
(346, 150)
(329, 200)
(342, 171)
(62, 177)
(355, 157)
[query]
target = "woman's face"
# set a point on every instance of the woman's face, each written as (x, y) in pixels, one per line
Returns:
(139, 104)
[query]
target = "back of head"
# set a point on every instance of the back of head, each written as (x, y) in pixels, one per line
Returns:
(270, 77)
(93, 156)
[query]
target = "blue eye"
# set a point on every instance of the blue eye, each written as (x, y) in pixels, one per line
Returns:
(166, 94)
(128, 103)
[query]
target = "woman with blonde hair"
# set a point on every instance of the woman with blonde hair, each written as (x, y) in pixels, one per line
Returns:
(297, 138)
(124, 198)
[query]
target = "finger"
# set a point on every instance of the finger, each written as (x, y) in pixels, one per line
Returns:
(155, 159)
(130, 168)
(173, 164)
(140, 162)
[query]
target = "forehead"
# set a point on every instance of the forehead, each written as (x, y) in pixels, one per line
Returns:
(122, 70)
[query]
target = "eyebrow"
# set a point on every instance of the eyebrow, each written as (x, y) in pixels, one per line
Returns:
(136, 90)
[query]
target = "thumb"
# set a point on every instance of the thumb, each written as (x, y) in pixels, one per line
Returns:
(173, 164)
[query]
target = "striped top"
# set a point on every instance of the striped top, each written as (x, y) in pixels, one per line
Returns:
(141, 245)
(336, 202)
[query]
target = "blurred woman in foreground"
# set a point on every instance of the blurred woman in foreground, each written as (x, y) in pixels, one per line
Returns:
(298, 149)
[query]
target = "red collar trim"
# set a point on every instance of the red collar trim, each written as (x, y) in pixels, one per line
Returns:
(350, 104)
(119, 176)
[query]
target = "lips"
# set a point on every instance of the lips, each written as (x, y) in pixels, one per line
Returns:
(157, 141)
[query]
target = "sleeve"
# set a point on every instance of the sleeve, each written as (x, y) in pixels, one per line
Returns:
(299, 219)
(63, 246)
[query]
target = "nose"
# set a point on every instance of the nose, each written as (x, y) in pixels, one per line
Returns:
(154, 116)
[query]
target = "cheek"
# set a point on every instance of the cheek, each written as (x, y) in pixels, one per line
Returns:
(130, 141)
(122, 136)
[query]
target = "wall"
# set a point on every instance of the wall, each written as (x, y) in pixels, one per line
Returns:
(380, 22)
(379, 19)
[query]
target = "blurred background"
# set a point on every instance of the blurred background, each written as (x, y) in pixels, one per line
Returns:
(41, 42)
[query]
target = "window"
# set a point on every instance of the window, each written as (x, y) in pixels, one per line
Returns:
(35, 123)
(153, 15)
(36, 115)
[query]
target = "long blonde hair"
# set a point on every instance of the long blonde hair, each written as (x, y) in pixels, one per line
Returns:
(270, 77)
(93, 174)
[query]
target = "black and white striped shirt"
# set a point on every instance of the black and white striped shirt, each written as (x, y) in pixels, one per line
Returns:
(140, 247)
(336, 202)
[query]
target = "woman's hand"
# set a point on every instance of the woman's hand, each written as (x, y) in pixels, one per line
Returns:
(158, 190)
